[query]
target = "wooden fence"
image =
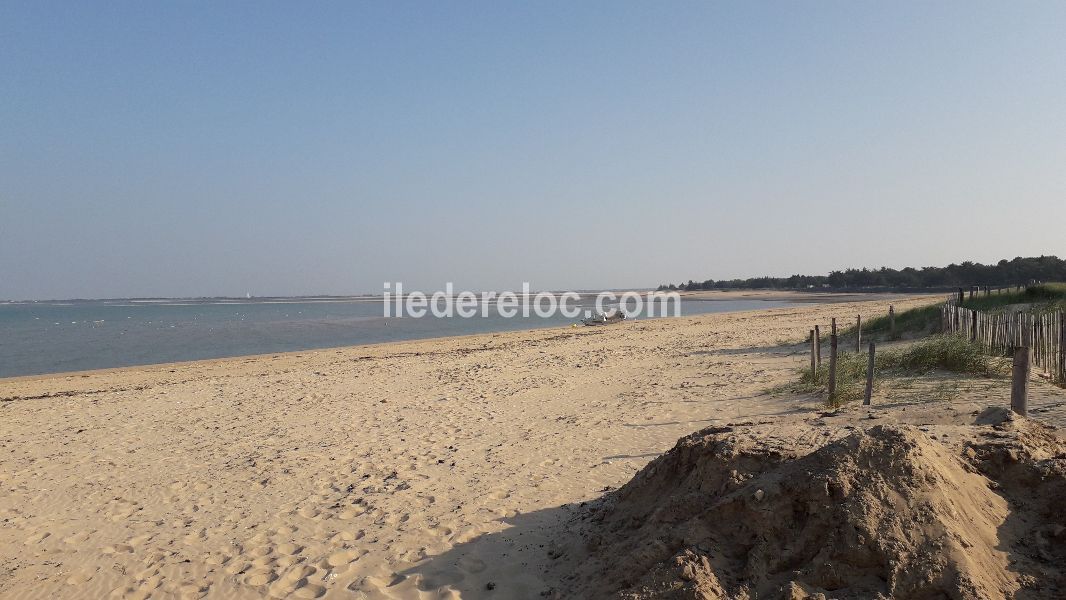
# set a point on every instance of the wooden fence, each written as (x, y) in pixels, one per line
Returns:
(1002, 332)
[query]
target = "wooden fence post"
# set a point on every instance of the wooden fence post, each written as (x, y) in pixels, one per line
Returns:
(869, 377)
(960, 295)
(973, 324)
(818, 344)
(814, 362)
(1062, 347)
(1019, 385)
(891, 322)
(858, 334)
(833, 368)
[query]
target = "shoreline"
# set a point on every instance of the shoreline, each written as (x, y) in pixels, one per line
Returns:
(694, 296)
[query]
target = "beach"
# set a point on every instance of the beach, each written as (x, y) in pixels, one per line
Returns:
(425, 469)
(54, 337)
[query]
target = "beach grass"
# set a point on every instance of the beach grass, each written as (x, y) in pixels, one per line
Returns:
(915, 322)
(949, 353)
(1038, 298)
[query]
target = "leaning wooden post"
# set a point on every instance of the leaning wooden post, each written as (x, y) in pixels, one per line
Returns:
(960, 295)
(891, 321)
(814, 360)
(858, 334)
(818, 344)
(1019, 385)
(973, 324)
(869, 377)
(833, 368)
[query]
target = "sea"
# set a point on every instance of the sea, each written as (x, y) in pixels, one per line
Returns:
(52, 337)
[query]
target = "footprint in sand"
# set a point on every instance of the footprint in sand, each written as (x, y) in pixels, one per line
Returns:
(434, 582)
(413, 556)
(292, 581)
(343, 558)
(192, 591)
(351, 513)
(80, 577)
(287, 561)
(260, 576)
(77, 538)
(288, 549)
(216, 559)
(152, 582)
(137, 541)
(348, 536)
(308, 512)
(260, 551)
(441, 529)
(309, 591)
(394, 520)
(37, 537)
(236, 567)
(141, 592)
(146, 573)
(465, 534)
(263, 561)
(195, 537)
(470, 564)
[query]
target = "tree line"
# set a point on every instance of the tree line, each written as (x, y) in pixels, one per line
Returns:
(1019, 271)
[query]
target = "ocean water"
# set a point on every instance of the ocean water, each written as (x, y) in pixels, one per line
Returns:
(52, 337)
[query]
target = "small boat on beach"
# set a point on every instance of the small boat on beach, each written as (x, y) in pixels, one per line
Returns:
(604, 319)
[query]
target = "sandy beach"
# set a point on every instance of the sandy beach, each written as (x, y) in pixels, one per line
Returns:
(431, 469)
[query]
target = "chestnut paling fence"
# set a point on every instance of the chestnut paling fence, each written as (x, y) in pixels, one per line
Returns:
(1002, 332)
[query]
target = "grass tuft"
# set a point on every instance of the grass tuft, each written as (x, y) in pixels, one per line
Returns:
(938, 352)
(851, 379)
(941, 352)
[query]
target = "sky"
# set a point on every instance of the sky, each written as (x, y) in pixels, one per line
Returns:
(205, 148)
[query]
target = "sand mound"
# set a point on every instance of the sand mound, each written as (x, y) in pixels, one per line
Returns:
(886, 512)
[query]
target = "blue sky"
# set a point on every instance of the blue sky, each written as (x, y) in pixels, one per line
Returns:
(186, 149)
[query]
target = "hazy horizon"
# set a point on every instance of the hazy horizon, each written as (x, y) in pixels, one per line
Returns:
(441, 287)
(199, 149)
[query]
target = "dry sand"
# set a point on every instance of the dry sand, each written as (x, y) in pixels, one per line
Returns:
(431, 469)
(949, 510)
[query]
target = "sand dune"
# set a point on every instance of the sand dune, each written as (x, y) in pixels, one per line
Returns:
(965, 510)
(432, 469)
